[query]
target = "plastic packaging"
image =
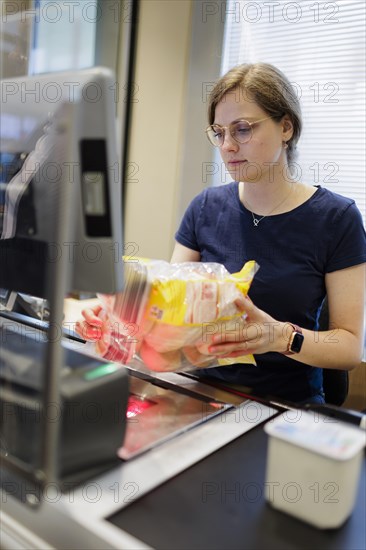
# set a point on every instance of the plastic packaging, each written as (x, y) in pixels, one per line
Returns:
(167, 313)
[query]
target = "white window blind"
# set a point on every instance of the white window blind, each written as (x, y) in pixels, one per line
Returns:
(320, 46)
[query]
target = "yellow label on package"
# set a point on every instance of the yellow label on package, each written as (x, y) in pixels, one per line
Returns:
(198, 299)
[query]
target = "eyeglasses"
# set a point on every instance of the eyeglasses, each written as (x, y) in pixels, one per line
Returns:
(241, 131)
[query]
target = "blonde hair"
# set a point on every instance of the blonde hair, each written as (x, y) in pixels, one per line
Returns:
(269, 88)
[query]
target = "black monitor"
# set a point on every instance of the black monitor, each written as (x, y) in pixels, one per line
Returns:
(60, 183)
(60, 231)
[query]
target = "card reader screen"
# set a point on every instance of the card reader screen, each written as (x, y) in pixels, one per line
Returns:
(94, 195)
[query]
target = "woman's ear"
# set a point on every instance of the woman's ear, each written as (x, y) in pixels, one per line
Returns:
(287, 128)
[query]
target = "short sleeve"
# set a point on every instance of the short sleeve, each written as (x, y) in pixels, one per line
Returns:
(186, 234)
(348, 242)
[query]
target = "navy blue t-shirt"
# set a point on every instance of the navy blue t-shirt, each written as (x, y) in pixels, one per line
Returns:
(294, 251)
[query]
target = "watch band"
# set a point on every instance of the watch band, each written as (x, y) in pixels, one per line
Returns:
(298, 335)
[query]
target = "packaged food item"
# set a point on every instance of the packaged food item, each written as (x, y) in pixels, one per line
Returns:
(167, 313)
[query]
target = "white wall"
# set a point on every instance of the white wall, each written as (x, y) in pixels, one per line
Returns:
(157, 118)
(178, 56)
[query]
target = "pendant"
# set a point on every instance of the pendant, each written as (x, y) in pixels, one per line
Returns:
(256, 221)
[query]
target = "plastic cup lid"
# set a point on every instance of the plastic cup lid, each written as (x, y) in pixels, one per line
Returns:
(320, 434)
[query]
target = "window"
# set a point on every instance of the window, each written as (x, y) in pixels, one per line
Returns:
(320, 48)
(45, 36)
(63, 35)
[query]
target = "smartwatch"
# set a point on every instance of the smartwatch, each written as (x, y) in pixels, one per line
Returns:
(296, 340)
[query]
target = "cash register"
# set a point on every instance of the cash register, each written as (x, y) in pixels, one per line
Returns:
(60, 228)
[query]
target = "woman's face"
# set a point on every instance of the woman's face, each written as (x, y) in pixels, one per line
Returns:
(260, 158)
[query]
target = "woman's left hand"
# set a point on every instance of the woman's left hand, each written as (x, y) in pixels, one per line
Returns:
(260, 333)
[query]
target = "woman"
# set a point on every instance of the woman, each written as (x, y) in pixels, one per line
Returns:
(308, 242)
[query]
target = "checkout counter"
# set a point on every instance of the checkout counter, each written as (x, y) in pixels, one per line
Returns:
(190, 473)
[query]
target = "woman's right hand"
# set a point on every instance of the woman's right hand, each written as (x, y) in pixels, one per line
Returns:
(95, 326)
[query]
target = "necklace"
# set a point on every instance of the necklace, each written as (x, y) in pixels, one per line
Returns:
(256, 221)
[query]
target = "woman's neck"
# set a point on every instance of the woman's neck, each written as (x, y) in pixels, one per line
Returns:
(264, 198)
